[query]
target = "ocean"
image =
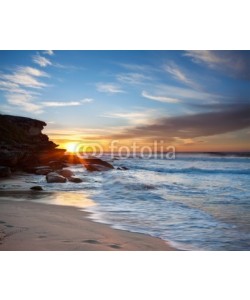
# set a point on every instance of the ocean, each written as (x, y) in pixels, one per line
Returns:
(195, 201)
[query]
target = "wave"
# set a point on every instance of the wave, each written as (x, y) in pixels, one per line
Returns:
(194, 170)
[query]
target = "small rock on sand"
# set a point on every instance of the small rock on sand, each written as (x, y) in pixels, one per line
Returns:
(36, 188)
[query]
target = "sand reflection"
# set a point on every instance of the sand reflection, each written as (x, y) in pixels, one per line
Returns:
(79, 199)
(76, 199)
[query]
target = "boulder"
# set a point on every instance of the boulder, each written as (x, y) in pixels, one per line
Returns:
(44, 170)
(96, 164)
(75, 179)
(95, 167)
(54, 177)
(65, 173)
(36, 188)
(5, 171)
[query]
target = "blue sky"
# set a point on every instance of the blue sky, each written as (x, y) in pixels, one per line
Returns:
(196, 100)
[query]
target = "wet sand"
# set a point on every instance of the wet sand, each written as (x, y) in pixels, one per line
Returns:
(26, 225)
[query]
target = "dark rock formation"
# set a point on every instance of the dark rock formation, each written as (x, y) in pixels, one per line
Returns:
(5, 171)
(43, 170)
(54, 177)
(96, 164)
(75, 179)
(23, 145)
(65, 173)
(57, 165)
(36, 188)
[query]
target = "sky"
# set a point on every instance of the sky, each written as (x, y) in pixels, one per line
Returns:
(193, 100)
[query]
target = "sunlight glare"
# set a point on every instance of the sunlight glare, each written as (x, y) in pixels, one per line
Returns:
(71, 147)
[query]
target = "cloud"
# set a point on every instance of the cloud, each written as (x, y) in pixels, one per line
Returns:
(163, 99)
(131, 117)
(109, 88)
(6, 85)
(179, 75)
(60, 104)
(21, 88)
(86, 100)
(32, 71)
(48, 52)
(24, 102)
(68, 103)
(231, 63)
(211, 58)
(132, 78)
(187, 94)
(41, 60)
(24, 76)
(192, 126)
(135, 67)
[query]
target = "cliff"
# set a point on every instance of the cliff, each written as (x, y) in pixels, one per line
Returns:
(23, 145)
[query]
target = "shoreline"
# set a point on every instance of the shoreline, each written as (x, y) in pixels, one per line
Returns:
(36, 226)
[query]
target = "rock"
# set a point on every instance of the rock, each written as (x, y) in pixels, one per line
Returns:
(5, 171)
(65, 173)
(122, 168)
(23, 145)
(44, 170)
(54, 177)
(97, 164)
(99, 168)
(75, 179)
(56, 165)
(36, 188)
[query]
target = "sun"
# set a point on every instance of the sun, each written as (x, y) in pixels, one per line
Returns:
(71, 147)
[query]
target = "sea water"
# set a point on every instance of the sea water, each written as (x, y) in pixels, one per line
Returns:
(195, 201)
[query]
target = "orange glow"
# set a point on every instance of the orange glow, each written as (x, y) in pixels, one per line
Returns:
(71, 147)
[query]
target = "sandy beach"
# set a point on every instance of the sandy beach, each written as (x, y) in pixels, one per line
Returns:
(26, 225)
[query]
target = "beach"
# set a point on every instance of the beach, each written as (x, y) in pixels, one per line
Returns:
(30, 226)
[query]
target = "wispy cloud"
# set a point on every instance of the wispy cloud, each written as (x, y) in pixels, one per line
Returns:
(192, 126)
(86, 100)
(6, 85)
(24, 102)
(24, 76)
(48, 52)
(109, 88)
(60, 104)
(211, 58)
(136, 67)
(179, 75)
(41, 60)
(231, 63)
(130, 117)
(132, 78)
(187, 94)
(21, 88)
(68, 103)
(159, 98)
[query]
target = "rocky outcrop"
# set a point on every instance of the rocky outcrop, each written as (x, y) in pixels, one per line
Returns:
(5, 171)
(23, 145)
